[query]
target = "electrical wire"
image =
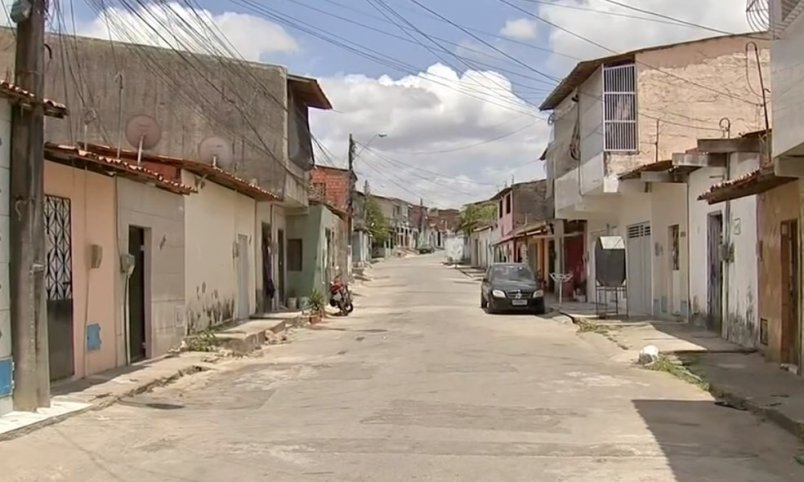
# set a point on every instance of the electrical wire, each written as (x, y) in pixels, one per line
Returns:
(667, 17)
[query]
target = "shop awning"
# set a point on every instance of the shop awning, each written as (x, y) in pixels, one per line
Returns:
(754, 182)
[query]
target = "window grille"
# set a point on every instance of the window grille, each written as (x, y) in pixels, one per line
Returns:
(619, 108)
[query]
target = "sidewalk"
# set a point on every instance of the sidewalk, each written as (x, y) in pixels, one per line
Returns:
(103, 389)
(738, 377)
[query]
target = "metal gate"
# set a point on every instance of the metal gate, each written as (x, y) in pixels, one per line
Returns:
(59, 286)
(638, 259)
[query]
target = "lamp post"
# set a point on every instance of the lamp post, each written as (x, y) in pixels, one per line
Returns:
(352, 178)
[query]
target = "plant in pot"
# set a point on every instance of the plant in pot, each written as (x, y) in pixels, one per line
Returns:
(316, 303)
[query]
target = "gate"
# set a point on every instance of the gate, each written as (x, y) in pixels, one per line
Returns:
(59, 286)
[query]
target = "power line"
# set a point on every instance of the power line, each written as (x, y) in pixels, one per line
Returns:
(597, 44)
(667, 17)
(469, 146)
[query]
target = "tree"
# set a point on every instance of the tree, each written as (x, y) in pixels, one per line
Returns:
(475, 215)
(376, 222)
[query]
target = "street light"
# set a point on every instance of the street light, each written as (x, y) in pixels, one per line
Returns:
(352, 157)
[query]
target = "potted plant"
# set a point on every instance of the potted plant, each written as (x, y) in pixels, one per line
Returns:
(316, 303)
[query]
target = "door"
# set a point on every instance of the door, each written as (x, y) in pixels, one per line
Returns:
(280, 241)
(268, 285)
(137, 335)
(714, 238)
(674, 269)
(638, 263)
(791, 325)
(243, 286)
(59, 286)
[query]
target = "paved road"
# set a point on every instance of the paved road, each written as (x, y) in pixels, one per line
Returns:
(418, 384)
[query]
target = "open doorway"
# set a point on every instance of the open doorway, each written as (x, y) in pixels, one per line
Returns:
(268, 286)
(791, 325)
(137, 334)
(280, 265)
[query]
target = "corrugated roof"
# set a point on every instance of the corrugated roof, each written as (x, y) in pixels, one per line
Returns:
(754, 182)
(210, 172)
(77, 157)
(27, 98)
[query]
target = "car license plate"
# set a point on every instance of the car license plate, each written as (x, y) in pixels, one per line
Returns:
(519, 302)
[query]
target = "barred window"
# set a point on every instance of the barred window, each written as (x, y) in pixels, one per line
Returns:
(619, 108)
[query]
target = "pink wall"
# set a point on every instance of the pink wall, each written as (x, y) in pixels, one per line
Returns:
(92, 199)
(507, 220)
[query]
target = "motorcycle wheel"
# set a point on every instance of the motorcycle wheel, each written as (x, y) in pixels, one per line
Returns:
(350, 308)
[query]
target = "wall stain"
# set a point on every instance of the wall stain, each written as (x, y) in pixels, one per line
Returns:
(208, 310)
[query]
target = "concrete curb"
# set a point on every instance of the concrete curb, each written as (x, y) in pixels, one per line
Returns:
(776, 416)
(101, 403)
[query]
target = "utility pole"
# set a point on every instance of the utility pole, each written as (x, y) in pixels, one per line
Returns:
(27, 269)
(351, 209)
(421, 219)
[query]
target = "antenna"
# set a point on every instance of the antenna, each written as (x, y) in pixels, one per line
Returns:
(216, 151)
(144, 133)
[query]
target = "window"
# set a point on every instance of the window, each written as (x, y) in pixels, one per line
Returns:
(619, 108)
(294, 254)
(500, 209)
(508, 204)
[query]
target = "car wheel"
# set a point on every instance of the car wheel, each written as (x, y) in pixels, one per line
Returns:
(483, 302)
(490, 309)
(540, 308)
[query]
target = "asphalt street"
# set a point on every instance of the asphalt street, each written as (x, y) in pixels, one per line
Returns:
(418, 384)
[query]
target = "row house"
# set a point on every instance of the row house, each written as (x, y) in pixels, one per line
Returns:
(11, 97)
(398, 214)
(614, 114)
(175, 202)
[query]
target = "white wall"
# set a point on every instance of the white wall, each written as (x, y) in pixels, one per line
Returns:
(670, 288)
(741, 299)
(787, 70)
(5, 314)
(214, 218)
(699, 182)
(740, 291)
(161, 213)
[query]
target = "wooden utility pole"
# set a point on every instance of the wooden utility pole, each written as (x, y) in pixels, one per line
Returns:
(27, 269)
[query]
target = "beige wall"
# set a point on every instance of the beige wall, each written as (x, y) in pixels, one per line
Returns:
(670, 287)
(774, 206)
(161, 213)
(93, 222)
(214, 219)
(686, 86)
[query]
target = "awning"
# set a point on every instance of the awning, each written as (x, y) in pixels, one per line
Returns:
(754, 182)
(539, 227)
(658, 166)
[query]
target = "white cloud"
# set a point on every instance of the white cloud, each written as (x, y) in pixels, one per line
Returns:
(437, 110)
(196, 30)
(623, 34)
(520, 29)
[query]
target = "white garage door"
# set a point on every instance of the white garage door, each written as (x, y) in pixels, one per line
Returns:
(638, 257)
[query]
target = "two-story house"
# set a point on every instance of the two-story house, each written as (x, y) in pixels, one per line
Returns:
(612, 115)
(518, 205)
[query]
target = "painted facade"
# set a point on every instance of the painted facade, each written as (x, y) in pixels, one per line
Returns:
(220, 262)
(6, 359)
(314, 239)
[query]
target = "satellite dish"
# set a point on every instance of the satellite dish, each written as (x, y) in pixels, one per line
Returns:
(142, 132)
(216, 151)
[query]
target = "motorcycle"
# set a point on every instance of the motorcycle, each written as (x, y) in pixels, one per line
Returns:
(340, 297)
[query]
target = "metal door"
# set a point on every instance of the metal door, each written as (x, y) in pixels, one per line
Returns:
(59, 286)
(714, 240)
(638, 261)
(243, 288)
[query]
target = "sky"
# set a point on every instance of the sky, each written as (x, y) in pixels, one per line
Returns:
(454, 90)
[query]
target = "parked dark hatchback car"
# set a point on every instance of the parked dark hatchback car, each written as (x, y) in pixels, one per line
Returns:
(511, 287)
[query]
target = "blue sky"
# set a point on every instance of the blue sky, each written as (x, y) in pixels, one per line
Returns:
(459, 104)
